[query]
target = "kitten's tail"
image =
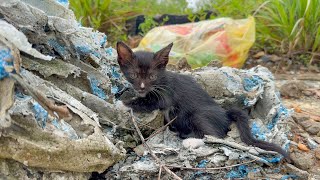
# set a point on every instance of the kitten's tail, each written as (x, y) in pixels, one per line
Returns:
(241, 120)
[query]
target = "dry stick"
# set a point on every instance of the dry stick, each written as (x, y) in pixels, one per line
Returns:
(43, 101)
(215, 168)
(214, 140)
(161, 129)
(210, 139)
(145, 125)
(159, 175)
(150, 151)
(49, 106)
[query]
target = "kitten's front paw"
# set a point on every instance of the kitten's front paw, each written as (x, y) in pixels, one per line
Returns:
(193, 143)
(120, 106)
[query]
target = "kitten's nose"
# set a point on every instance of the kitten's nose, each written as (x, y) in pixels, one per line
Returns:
(142, 86)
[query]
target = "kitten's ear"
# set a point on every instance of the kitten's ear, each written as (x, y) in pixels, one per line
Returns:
(161, 57)
(125, 54)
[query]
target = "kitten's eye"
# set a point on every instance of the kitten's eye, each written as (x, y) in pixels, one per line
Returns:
(133, 75)
(153, 76)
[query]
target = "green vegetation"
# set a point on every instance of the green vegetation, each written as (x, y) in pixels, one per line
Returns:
(110, 15)
(91, 12)
(291, 25)
(105, 15)
(233, 8)
(283, 26)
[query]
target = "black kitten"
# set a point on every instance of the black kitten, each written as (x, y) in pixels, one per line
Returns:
(180, 96)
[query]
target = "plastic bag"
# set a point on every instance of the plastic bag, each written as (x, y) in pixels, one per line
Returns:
(222, 39)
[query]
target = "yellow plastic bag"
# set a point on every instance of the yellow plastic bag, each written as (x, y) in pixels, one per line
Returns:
(222, 39)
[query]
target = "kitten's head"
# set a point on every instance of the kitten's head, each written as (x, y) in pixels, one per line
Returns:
(144, 70)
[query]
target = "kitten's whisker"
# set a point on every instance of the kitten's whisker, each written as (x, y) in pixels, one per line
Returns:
(158, 87)
(165, 87)
(161, 95)
(152, 91)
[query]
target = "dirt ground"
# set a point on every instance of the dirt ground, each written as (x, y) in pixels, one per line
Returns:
(299, 86)
(304, 97)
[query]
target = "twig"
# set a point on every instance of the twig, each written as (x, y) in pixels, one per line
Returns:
(159, 175)
(146, 125)
(211, 139)
(160, 129)
(60, 112)
(150, 151)
(215, 168)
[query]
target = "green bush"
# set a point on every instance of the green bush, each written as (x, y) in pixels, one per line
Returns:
(232, 8)
(91, 13)
(110, 15)
(291, 25)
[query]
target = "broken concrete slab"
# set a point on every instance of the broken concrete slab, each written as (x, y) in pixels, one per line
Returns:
(29, 134)
(10, 169)
(27, 143)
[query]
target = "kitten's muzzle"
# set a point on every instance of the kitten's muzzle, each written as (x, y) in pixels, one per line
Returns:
(142, 92)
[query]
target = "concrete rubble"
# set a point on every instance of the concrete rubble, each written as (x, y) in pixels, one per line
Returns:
(31, 138)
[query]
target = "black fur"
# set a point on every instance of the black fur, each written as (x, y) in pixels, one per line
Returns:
(180, 96)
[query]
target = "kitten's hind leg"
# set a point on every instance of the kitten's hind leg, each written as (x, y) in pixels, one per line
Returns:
(185, 127)
(211, 122)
